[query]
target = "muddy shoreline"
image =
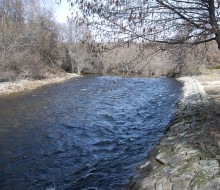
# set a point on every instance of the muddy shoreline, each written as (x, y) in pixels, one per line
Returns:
(188, 155)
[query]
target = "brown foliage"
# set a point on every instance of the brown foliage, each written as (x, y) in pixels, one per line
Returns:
(29, 40)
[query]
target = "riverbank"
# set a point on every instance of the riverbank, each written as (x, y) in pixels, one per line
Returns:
(26, 85)
(188, 156)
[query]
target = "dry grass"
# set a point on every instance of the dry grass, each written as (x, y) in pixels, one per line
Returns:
(22, 86)
(136, 60)
(160, 59)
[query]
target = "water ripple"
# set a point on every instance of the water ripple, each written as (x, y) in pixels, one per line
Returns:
(88, 133)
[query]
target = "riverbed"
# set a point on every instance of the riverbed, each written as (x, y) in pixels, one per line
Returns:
(87, 133)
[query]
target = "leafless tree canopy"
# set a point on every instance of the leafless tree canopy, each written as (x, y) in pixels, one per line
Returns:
(139, 32)
(34, 45)
(164, 21)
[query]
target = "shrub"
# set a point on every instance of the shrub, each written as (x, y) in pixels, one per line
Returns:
(27, 64)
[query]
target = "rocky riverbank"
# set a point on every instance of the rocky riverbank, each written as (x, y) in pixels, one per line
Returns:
(26, 85)
(188, 156)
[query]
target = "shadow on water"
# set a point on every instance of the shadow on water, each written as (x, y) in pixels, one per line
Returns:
(87, 133)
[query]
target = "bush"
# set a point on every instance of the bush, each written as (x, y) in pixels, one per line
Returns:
(27, 64)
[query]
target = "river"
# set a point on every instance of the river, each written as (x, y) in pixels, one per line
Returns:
(87, 133)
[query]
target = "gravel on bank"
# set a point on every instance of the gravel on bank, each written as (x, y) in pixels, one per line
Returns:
(187, 157)
(26, 85)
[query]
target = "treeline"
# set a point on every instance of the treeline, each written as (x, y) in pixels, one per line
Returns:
(33, 44)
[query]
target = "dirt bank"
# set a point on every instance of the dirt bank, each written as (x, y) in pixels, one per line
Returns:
(28, 85)
(188, 156)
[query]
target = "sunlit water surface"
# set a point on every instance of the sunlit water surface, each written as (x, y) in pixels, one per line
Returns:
(87, 133)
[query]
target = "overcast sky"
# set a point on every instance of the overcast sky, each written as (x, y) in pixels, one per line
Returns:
(62, 11)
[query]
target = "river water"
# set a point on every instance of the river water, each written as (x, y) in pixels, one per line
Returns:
(88, 133)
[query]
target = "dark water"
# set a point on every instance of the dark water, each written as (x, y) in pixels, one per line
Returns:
(88, 133)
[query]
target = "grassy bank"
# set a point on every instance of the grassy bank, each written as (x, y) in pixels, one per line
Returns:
(26, 85)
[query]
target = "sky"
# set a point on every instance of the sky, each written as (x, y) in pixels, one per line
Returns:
(62, 11)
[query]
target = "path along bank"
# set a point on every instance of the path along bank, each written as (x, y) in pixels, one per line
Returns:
(188, 155)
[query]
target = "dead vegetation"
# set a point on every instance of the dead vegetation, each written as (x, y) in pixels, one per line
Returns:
(33, 45)
(159, 59)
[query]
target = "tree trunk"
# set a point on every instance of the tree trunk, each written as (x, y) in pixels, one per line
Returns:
(218, 39)
(213, 21)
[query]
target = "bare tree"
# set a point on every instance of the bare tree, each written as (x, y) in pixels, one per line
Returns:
(195, 21)
(76, 51)
(29, 39)
(167, 25)
(81, 55)
(11, 27)
(43, 32)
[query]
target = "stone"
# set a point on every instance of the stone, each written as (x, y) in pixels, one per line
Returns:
(163, 158)
(144, 167)
(211, 167)
(187, 157)
(165, 171)
(179, 185)
(178, 158)
(163, 184)
(194, 151)
(211, 185)
(213, 163)
(182, 181)
(146, 183)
